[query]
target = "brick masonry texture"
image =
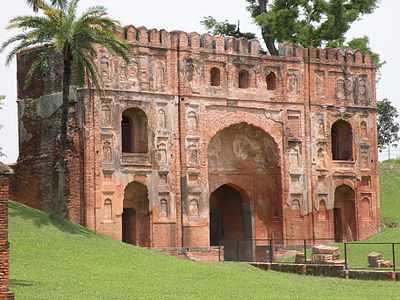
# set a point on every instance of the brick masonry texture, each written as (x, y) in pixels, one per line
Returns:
(222, 142)
(5, 192)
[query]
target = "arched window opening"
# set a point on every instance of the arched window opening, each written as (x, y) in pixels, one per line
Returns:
(134, 131)
(271, 81)
(215, 77)
(342, 141)
(244, 80)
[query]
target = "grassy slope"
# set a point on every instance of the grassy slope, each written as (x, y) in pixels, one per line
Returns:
(51, 261)
(390, 191)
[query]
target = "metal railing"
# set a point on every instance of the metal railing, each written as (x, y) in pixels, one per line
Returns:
(356, 255)
(353, 255)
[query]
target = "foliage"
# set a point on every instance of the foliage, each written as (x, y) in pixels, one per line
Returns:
(225, 28)
(388, 126)
(60, 32)
(51, 260)
(74, 38)
(361, 44)
(309, 23)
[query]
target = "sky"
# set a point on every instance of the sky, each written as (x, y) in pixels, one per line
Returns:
(380, 27)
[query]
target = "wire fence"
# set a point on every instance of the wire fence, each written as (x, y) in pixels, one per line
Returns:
(351, 255)
(389, 153)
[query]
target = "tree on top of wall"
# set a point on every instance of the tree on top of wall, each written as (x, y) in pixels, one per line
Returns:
(61, 32)
(309, 23)
(225, 28)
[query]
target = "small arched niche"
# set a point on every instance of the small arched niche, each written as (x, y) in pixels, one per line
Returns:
(271, 81)
(244, 79)
(108, 210)
(215, 77)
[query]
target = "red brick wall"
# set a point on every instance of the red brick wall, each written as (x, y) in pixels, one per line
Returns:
(37, 177)
(170, 73)
(4, 247)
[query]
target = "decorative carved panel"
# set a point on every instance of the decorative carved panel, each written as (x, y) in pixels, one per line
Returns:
(138, 159)
(162, 118)
(192, 121)
(106, 116)
(162, 153)
(193, 207)
(319, 83)
(107, 151)
(294, 152)
(293, 82)
(364, 156)
(294, 125)
(322, 155)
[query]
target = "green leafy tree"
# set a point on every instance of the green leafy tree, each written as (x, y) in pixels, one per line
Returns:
(225, 28)
(361, 44)
(309, 23)
(74, 39)
(388, 127)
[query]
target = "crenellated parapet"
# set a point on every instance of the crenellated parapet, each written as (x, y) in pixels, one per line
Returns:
(194, 41)
(339, 57)
(141, 36)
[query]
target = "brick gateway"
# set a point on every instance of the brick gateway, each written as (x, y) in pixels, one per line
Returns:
(203, 139)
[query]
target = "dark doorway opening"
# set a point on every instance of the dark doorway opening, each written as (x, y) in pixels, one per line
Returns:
(338, 224)
(129, 226)
(230, 223)
(134, 131)
(344, 214)
(342, 141)
(136, 215)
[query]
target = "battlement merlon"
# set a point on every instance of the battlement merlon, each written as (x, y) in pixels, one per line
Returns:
(141, 36)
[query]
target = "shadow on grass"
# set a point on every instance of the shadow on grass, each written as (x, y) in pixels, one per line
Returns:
(40, 219)
(21, 283)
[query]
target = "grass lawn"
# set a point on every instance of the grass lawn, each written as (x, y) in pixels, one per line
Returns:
(390, 191)
(67, 262)
(52, 261)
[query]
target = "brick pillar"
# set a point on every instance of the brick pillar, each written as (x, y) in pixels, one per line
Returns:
(5, 185)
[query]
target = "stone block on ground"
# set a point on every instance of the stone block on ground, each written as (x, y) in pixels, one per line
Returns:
(338, 262)
(322, 258)
(322, 249)
(299, 259)
(375, 259)
(386, 264)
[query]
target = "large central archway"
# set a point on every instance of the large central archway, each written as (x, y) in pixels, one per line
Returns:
(136, 215)
(244, 176)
